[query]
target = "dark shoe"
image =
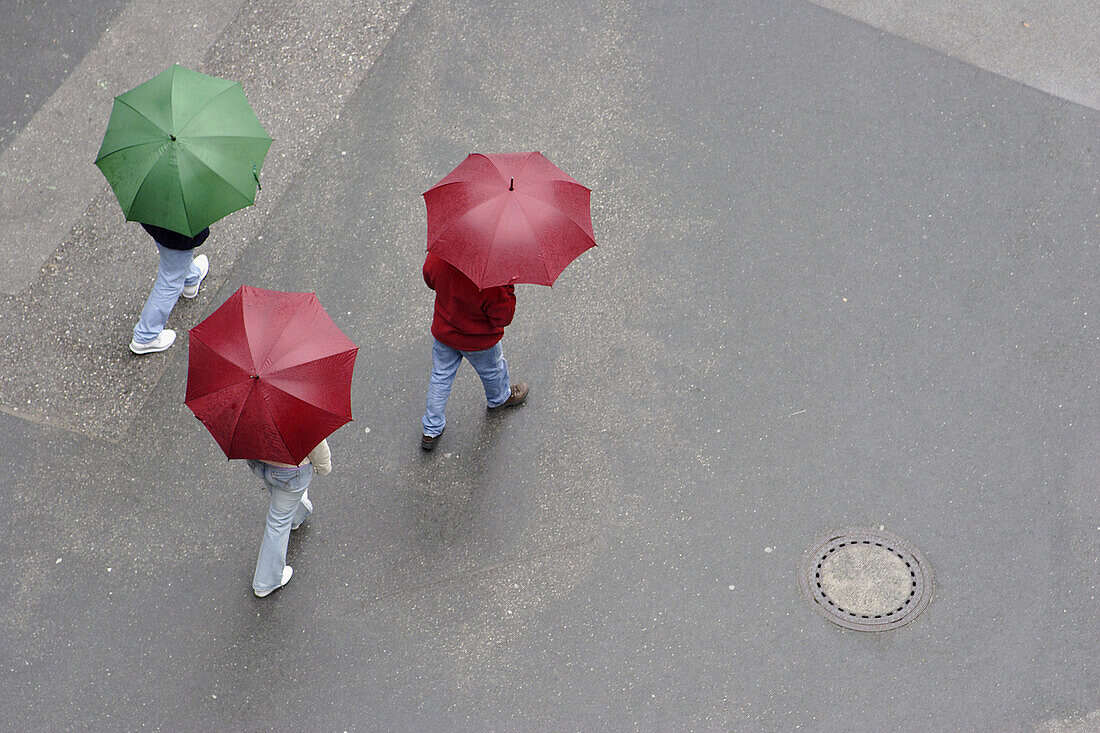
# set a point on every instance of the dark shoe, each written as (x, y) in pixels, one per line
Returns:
(428, 442)
(519, 394)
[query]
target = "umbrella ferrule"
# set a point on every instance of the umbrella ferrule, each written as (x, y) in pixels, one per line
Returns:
(512, 184)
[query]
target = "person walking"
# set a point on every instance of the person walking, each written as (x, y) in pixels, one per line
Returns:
(179, 273)
(469, 323)
(288, 506)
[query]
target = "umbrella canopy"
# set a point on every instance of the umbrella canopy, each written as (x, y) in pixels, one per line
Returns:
(508, 218)
(183, 150)
(269, 375)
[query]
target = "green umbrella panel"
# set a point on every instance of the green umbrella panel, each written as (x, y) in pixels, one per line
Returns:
(183, 150)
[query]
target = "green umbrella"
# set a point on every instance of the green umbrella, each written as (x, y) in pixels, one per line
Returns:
(183, 150)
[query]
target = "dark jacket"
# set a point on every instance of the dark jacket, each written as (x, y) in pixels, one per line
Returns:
(175, 240)
(466, 318)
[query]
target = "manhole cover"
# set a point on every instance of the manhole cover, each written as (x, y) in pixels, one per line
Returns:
(865, 580)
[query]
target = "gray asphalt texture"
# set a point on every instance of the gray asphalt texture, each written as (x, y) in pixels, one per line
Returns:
(842, 280)
(42, 42)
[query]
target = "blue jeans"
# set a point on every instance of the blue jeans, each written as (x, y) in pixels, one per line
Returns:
(288, 507)
(175, 271)
(490, 366)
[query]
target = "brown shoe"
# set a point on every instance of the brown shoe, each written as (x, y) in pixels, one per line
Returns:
(519, 394)
(428, 442)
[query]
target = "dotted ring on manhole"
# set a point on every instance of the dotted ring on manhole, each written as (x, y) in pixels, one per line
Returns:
(865, 580)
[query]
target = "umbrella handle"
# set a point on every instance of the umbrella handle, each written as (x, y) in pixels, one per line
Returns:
(256, 175)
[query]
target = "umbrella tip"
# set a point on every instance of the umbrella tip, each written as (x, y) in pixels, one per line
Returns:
(512, 184)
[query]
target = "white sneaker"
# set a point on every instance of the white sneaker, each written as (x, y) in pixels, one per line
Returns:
(287, 572)
(164, 339)
(191, 291)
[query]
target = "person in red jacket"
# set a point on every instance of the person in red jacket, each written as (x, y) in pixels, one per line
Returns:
(467, 323)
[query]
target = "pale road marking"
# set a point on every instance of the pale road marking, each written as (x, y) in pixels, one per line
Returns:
(299, 63)
(1053, 46)
(1087, 724)
(47, 178)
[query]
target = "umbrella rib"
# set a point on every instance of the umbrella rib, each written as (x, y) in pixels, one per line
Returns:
(278, 429)
(491, 162)
(204, 395)
(145, 180)
(237, 424)
(207, 103)
(267, 356)
(199, 160)
(462, 181)
(299, 399)
(267, 409)
(493, 191)
(340, 352)
(183, 194)
(496, 228)
(526, 160)
(451, 223)
(142, 114)
(564, 213)
(104, 157)
(198, 338)
(542, 254)
(265, 136)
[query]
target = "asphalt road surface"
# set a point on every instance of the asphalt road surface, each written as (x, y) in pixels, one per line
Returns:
(42, 42)
(842, 279)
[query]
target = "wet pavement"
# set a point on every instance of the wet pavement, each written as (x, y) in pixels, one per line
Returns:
(842, 280)
(42, 43)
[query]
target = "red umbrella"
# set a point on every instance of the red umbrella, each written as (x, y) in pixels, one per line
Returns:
(269, 375)
(508, 218)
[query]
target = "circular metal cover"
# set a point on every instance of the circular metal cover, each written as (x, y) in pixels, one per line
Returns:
(865, 579)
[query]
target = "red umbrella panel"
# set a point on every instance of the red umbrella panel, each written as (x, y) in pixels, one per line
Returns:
(269, 375)
(509, 218)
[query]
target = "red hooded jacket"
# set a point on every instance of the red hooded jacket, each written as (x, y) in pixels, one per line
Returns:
(466, 318)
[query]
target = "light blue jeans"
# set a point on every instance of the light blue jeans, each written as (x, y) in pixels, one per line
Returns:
(490, 366)
(288, 507)
(175, 271)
